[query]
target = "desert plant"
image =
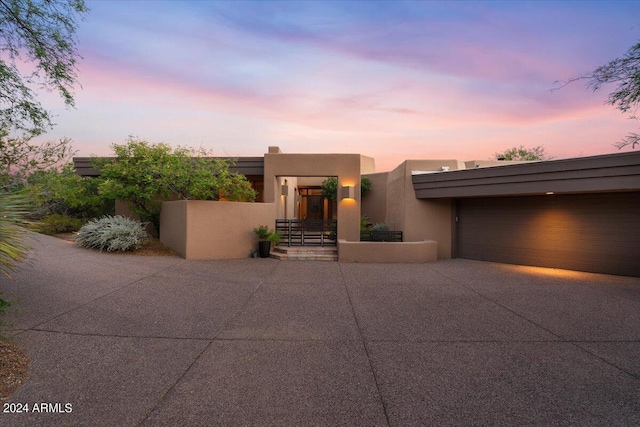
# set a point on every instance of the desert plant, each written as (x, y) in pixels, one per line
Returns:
(112, 233)
(13, 208)
(380, 227)
(380, 232)
(65, 192)
(57, 223)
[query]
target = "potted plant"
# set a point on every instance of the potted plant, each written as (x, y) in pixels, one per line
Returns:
(265, 238)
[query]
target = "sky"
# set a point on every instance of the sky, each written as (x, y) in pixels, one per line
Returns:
(392, 80)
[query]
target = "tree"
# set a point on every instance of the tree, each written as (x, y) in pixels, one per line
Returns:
(67, 193)
(42, 34)
(523, 153)
(624, 72)
(20, 158)
(144, 175)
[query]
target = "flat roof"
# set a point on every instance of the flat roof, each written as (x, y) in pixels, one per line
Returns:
(610, 172)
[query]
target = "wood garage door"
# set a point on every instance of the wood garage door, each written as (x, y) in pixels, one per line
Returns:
(588, 232)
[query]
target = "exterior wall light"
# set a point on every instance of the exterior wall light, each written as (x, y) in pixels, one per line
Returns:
(284, 189)
(549, 193)
(347, 192)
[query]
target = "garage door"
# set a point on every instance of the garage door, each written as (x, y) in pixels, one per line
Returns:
(592, 232)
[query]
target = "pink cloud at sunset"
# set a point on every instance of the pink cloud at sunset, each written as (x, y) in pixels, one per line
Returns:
(391, 80)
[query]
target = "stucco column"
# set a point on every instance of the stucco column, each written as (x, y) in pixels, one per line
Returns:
(346, 167)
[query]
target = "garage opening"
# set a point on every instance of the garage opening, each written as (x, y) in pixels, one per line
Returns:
(588, 232)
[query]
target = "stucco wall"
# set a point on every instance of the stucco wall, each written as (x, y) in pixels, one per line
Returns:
(391, 252)
(347, 167)
(367, 165)
(374, 204)
(199, 229)
(420, 219)
(395, 203)
(173, 226)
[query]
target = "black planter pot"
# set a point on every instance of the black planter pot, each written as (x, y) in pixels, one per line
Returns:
(264, 247)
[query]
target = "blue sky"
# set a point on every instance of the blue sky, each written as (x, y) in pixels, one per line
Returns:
(391, 80)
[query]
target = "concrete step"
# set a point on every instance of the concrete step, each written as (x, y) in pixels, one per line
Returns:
(305, 253)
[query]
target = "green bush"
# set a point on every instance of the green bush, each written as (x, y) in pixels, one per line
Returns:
(380, 227)
(262, 232)
(112, 233)
(67, 193)
(57, 223)
(274, 238)
(364, 223)
(380, 232)
(266, 235)
(330, 188)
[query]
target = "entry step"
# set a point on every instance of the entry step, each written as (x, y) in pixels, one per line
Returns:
(305, 253)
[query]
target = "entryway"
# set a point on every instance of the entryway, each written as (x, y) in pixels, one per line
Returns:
(305, 253)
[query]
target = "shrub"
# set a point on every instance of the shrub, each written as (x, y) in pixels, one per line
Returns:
(330, 188)
(112, 233)
(380, 232)
(365, 186)
(380, 227)
(364, 223)
(275, 237)
(57, 223)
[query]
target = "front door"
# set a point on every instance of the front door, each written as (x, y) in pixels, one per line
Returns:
(315, 207)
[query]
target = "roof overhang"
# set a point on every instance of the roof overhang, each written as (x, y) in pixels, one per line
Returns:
(612, 172)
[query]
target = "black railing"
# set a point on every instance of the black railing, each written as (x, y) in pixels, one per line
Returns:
(381, 236)
(307, 232)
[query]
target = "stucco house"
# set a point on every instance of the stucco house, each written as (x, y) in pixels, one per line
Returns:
(581, 213)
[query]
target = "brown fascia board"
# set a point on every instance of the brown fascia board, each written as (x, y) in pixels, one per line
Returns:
(612, 172)
(84, 166)
(247, 166)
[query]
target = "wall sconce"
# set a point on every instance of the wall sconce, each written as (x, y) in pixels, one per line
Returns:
(284, 189)
(348, 192)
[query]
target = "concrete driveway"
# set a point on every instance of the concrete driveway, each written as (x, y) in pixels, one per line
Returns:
(143, 341)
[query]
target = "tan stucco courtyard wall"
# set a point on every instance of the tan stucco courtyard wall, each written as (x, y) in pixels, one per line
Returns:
(388, 252)
(420, 220)
(198, 229)
(374, 204)
(346, 167)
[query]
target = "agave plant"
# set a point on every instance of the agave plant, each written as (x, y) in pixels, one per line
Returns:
(13, 208)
